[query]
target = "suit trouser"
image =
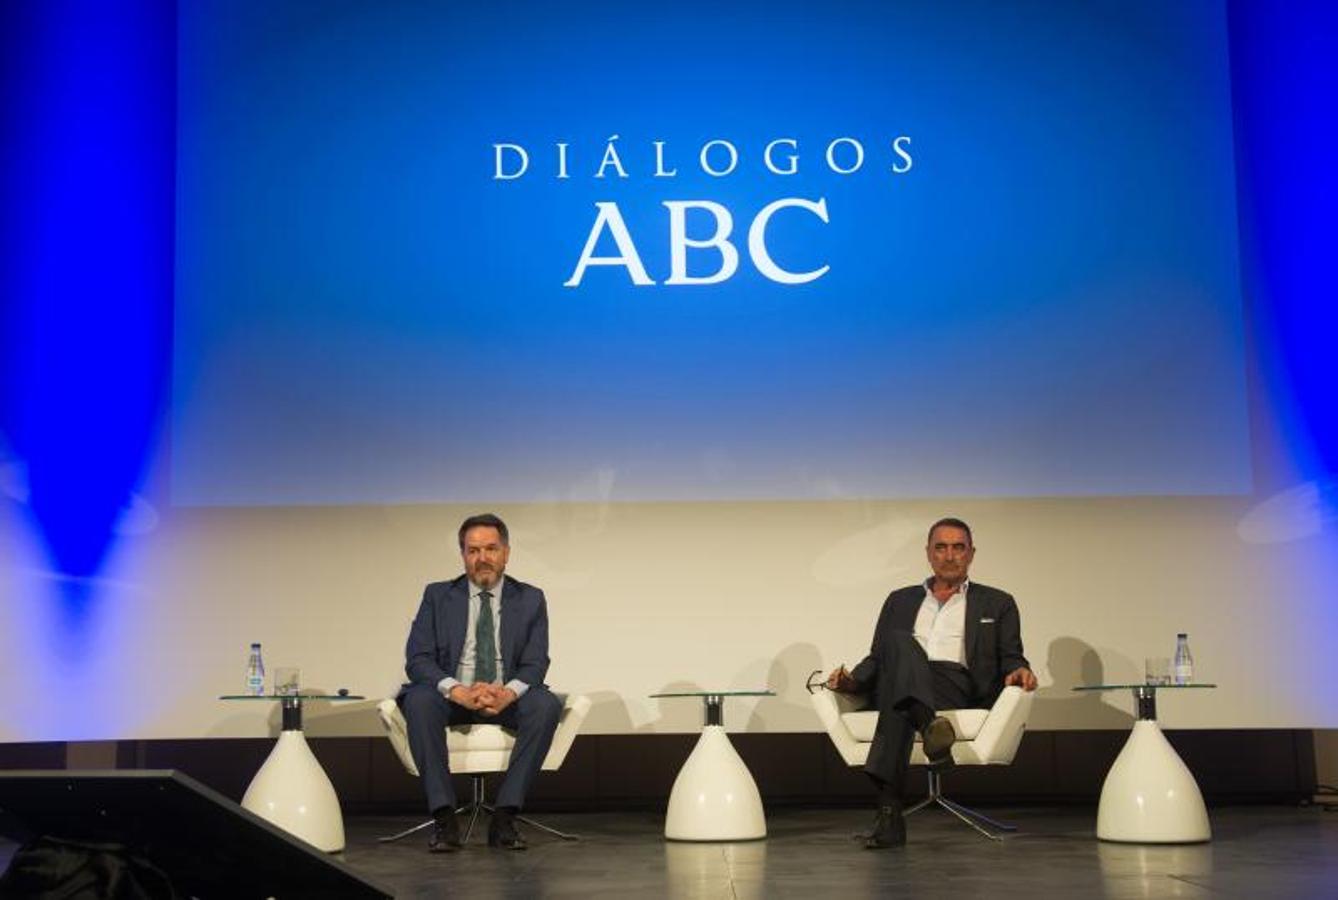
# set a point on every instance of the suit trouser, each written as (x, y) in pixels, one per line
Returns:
(533, 717)
(905, 676)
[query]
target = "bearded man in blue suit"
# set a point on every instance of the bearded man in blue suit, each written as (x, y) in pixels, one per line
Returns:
(478, 652)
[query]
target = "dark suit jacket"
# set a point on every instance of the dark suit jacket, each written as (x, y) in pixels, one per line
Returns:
(993, 636)
(437, 637)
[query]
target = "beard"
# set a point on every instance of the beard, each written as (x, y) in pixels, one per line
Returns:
(486, 576)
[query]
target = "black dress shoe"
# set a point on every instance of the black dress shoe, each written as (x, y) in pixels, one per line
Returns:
(889, 829)
(445, 833)
(938, 737)
(502, 831)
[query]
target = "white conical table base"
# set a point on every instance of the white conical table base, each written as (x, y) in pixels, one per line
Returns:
(292, 791)
(714, 797)
(1149, 796)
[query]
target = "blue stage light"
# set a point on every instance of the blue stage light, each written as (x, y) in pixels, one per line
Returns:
(1284, 81)
(89, 123)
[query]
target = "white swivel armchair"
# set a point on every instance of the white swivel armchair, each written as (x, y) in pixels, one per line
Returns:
(478, 750)
(985, 737)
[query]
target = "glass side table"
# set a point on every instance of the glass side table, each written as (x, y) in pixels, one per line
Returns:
(1150, 796)
(714, 796)
(291, 789)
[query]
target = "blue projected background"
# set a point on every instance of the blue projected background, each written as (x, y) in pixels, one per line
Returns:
(1038, 295)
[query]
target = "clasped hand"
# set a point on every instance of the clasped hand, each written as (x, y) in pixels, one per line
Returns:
(482, 697)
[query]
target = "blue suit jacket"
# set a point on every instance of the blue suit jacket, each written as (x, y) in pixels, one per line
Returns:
(437, 637)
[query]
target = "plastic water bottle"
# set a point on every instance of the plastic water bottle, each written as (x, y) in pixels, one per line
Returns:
(1184, 662)
(255, 672)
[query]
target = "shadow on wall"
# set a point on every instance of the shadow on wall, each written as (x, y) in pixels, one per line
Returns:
(786, 676)
(1073, 663)
(329, 718)
(678, 715)
(784, 673)
(610, 712)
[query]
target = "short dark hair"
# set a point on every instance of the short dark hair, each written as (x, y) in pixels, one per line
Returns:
(951, 522)
(485, 520)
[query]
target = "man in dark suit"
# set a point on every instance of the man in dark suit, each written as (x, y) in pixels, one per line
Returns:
(478, 652)
(945, 644)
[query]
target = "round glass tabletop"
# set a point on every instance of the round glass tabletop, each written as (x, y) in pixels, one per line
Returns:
(292, 703)
(1145, 693)
(762, 693)
(715, 700)
(1138, 685)
(302, 696)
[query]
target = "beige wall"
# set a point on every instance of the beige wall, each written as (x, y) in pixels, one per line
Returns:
(652, 597)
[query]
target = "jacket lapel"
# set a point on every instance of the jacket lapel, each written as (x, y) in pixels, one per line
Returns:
(972, 632)
(906, 613)
(508, 627)
(457, 621)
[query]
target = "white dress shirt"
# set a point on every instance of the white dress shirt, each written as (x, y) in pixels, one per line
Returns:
(941, 627)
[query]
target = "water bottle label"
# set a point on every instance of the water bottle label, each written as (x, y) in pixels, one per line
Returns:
(255, 672)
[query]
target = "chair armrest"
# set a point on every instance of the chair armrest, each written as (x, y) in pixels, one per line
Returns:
(830, 705)
(397, 730)
(574, 710)
(998, 740)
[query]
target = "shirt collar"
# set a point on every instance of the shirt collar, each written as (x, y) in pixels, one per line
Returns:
(961, 588)
(475, 590)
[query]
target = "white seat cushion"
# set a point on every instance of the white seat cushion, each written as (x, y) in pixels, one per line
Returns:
(966, 722)
(478, 737)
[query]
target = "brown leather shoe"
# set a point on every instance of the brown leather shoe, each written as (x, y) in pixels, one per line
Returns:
(889, 829)
(938, 737)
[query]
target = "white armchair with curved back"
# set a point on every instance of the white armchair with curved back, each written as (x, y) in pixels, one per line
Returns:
(985, 737)
(478, 750)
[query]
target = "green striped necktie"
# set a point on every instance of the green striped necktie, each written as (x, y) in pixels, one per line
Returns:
(485, 642)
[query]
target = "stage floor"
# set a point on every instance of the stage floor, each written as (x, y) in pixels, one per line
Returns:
(1257, 851)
